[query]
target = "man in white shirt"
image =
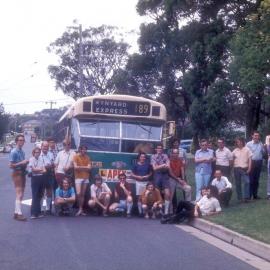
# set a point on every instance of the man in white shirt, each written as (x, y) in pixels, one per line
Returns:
(47, 161)
(64, 162)
(258, 150)
(224, 158)
(100, 195)
(206, 206)
(223, 186)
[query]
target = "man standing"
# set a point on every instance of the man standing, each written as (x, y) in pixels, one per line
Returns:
(82, 166)
(223, 186)
(48, 176)
(242, 166)
(203, 166)
(53, 154)
(161, 167)
(64, 162)
(18, 164)
(257, 149)
(177, 174)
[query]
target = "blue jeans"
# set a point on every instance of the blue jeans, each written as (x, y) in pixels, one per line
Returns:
(202, 180)
(241, 177)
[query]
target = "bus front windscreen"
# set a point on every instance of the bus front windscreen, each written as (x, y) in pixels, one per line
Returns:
(138, 131)
(116, 136)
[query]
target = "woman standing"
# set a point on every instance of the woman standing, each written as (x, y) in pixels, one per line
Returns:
(37, 171)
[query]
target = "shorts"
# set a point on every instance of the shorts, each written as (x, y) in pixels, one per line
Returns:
(81, 181)
(19, 179)
(161, 181)
(140, 187)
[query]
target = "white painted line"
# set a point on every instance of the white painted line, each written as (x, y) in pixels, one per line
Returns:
(226, 247)
(29, 202)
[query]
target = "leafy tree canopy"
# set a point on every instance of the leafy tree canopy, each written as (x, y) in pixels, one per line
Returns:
(102, 55)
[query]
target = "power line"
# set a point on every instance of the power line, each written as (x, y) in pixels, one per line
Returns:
(32, 102)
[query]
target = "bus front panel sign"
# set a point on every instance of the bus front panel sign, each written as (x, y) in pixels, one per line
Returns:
(121, 107)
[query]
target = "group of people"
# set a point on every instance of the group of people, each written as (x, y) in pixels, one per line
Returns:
(246, 160)
(63, 177)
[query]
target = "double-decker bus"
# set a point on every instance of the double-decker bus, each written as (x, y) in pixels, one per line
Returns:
(114, 128)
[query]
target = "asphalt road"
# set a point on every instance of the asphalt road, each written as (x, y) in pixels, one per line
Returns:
(98, 243)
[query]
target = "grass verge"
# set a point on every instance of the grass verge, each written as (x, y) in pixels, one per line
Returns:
(251, 219)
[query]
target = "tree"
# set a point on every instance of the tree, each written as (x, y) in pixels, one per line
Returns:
(187, 42)
(102, 56)
(4, 121)
(250, 67)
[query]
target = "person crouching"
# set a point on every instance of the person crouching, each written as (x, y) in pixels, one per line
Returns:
(64, 198)
(151, 201)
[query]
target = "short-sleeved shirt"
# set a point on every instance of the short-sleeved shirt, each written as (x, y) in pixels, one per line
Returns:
(82, 160)
(17, 155)
(208, 205)
(241, 157)
(176, 166)
(47, 159)
(223, 157)
(142, 169)
(257, 150)
(122, 195)
(204, 167)
(222, 183)
(95, 190)
(64, 159)
(160, 159)
(61, 193)
(36, 164)
(53, 154)
(182, 153)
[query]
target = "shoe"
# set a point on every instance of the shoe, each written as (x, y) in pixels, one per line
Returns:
(40, 216)
(105, 215)
(268, 197)
(48, 213)
(20, 217)
(79, 213)
(128, 215)
(33, 217)
(83, 214)
(146, 216)
(257, 197)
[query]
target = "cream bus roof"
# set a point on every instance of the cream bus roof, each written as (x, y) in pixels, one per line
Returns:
(115, 106)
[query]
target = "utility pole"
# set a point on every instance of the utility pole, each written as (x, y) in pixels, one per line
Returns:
(80, 61)
(50, 122)
(51, 104)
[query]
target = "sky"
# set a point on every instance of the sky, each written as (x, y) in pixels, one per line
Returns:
(28, 27)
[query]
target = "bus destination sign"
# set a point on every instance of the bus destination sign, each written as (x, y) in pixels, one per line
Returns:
(121, 107)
